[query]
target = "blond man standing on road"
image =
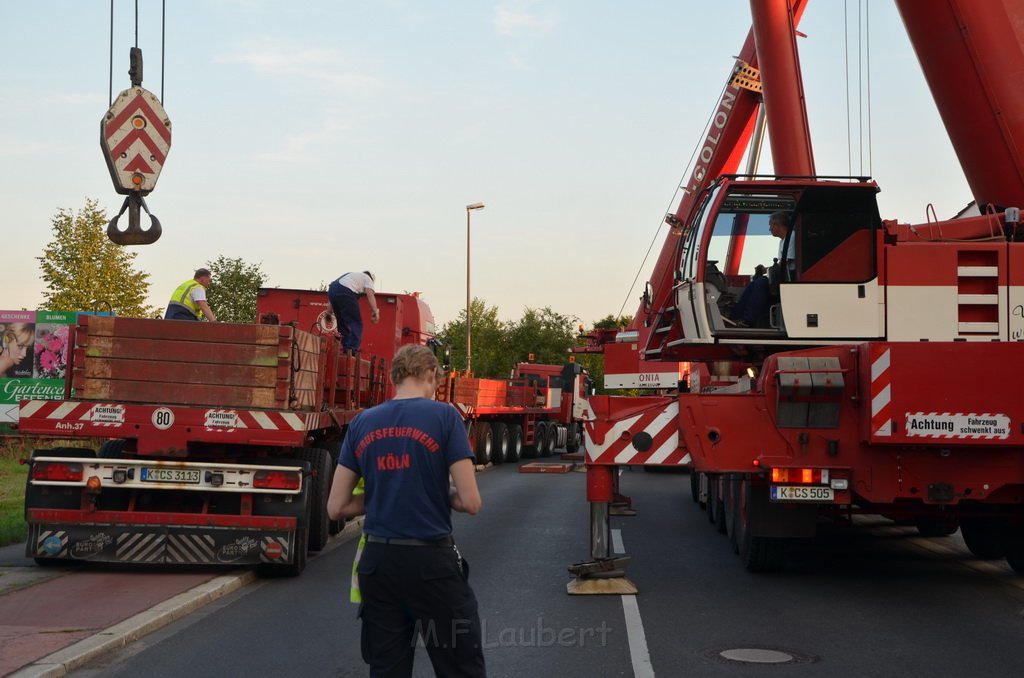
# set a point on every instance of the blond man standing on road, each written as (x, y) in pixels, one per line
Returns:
(412, 577)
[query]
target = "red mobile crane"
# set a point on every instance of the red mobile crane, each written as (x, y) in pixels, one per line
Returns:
(868, 387)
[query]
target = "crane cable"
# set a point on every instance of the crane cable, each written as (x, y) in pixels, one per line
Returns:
(863, 86)
(679, 186)
(163, 45)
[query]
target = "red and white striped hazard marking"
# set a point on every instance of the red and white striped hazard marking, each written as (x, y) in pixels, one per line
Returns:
(104, 414)
(98, 414)
(881, 393)
(270, 420)
(658, 426)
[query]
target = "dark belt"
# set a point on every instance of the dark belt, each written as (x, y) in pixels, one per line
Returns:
(447, 541)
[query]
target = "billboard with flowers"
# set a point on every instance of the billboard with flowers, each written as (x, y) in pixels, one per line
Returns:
(33, 358)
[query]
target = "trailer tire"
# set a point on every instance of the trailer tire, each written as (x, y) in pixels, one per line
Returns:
(1013, 542)
(695, 485)
(712, 499)
(334, 448)
(729, 500)
(500, 441)
(573, 438)
(112, 449)
(929, 526)
(320, 488)
(515, 443)
(984, 537)
(540, 434)
(716, 505)
(552, 438)
(484, 443)
(758, 554)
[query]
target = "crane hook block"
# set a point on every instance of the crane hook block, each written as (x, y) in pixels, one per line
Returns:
(135, 135)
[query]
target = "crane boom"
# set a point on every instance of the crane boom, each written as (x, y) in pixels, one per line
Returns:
(972, 55)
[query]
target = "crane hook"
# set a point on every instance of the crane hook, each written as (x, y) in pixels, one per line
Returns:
(134, 235)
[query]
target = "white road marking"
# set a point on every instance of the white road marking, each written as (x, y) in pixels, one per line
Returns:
(617, 542)
(638, 654)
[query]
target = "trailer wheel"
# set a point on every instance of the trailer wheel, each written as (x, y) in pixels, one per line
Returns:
(320, 488)
(729, 510)
(712, 499)
(1013, 542)
(515, 443)
(499, 443)
(984, 537)
(334, 448)
(716, 506)
(695, 485)
(112, 449)
(484, 442)
(540, 434)
(552, 438)
(573, 438)
(758, 554)
(929, 526)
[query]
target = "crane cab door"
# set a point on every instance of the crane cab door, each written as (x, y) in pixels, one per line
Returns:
(728, 252)
(739, 282)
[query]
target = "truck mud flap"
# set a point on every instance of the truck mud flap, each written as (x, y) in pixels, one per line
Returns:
(157, 545)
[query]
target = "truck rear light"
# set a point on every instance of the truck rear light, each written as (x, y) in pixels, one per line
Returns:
(64, 471)
(277, 480)
(802, 476)
(93, 483)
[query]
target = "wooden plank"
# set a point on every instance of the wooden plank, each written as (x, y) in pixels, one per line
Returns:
(106, 390)
(180, 351)
(180, 373)
(183, 330)
(545, 467)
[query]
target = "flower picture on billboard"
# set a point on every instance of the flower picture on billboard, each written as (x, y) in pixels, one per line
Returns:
(33, 359)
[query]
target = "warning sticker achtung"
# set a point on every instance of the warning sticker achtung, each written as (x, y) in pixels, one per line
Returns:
(957, 425)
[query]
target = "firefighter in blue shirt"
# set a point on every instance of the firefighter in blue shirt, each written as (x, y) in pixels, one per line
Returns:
(412, 578)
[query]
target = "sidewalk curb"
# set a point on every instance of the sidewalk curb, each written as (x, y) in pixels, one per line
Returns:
(75, 656)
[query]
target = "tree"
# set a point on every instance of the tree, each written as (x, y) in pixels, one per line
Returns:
(84, 271)
(232, 294)
(545, 334)
(488, 341)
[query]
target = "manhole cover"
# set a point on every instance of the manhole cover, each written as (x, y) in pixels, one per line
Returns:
(758, 655)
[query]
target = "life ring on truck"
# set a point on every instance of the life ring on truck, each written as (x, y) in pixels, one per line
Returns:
(326, 322)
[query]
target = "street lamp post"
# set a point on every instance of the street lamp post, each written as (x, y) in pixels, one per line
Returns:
(469, 321)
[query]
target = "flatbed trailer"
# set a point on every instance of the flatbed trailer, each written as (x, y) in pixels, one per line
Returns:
(540, 409)
(220, 443)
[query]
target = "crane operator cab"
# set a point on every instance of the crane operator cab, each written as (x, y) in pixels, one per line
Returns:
(781, 260)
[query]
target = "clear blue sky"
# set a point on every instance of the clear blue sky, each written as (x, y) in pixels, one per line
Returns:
(317, 137)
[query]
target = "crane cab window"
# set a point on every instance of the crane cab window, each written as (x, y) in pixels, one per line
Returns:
(837, 234)
(740, 238)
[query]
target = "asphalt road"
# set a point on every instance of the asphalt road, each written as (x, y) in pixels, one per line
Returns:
(873, 600)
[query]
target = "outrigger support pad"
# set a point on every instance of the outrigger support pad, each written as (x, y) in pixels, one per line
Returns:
(601, 577)
(134, 235)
